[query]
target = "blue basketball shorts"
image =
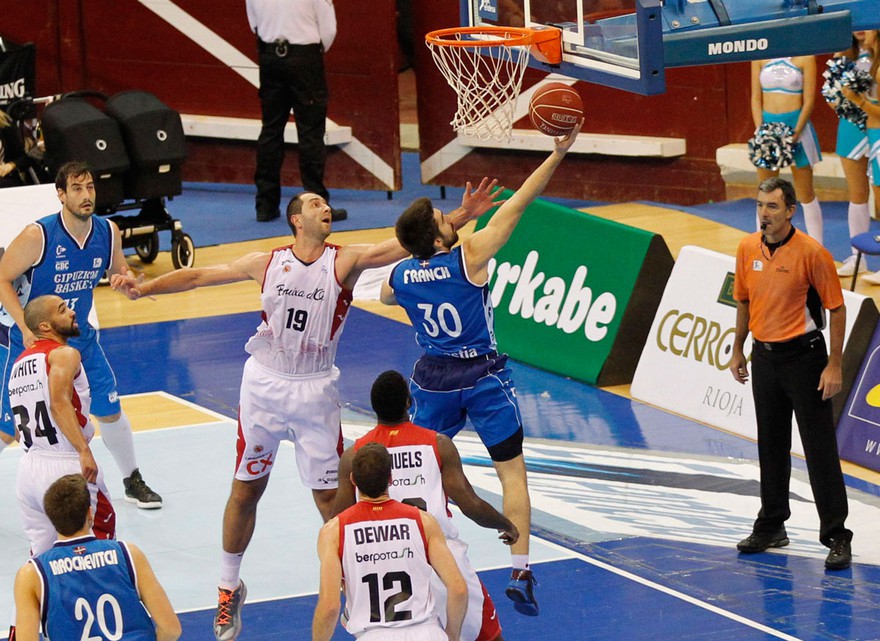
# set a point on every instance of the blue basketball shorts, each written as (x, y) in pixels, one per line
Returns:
(874, 155)
(852, 142)
(806, 151)
(446, 391)
(102, 381)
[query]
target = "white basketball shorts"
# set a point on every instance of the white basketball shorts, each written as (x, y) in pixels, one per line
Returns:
(37, 470)
(302, 409)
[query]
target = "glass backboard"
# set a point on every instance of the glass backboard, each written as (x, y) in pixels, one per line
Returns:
(612, 42)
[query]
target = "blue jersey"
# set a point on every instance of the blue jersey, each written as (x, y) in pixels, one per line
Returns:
(451, 315)
(89, 591)
(72, 271)
(67, 269)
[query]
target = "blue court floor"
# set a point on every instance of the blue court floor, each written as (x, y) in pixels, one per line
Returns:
(636, 511)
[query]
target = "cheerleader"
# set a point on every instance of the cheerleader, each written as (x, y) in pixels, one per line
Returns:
(784, 90)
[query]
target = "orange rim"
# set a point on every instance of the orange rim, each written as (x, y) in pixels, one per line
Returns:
(547, 41)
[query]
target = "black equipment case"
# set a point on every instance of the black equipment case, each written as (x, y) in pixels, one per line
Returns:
(154, 138)
(136, 149)
(73, 129)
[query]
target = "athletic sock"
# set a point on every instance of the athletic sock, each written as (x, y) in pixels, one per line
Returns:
(813, 218)
(118, 439)
(230, 570)
(858, 215)
(519, 561)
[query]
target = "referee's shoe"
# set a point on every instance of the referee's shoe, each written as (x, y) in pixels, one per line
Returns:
(760, 541)
(840, 556)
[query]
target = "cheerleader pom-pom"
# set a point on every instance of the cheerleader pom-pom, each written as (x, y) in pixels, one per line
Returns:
(841, 72)
(772, 146)
(833, 75)
(859, 81)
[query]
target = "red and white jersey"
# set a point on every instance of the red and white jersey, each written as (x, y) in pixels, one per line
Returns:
(31, 404)
(385, 567)
(415, 469)
(304, 311)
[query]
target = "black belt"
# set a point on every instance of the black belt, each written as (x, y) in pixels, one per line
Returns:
(800, 342)
(282, 48)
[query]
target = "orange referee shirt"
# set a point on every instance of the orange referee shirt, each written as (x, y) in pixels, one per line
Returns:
(777, 287)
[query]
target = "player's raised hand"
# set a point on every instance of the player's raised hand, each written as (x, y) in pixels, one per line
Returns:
(564, 143)
(476, 202)
(127, 285)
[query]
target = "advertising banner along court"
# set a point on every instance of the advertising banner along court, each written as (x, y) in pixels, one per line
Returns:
(575, 294)
(683, 367)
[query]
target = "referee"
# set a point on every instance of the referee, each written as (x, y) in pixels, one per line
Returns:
(784, 282)
(292, 36)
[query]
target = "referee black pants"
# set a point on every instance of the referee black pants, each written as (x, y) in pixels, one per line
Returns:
(784, 380)
(294, 81)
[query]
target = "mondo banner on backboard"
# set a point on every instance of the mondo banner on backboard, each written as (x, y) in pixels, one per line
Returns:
(683, 367)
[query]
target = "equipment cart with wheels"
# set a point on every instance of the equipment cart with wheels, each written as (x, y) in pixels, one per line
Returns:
(136, 148)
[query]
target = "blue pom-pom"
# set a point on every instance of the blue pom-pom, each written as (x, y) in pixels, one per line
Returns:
(772, 146)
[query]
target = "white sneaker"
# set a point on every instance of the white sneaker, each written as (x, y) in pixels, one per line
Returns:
(872, 279)
(849, 266)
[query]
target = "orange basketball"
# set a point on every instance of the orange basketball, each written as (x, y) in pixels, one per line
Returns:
(555, 108)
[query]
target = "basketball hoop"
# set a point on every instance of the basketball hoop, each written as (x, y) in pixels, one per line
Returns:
(485, 67)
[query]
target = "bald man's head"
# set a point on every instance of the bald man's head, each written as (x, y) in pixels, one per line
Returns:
(50, 317)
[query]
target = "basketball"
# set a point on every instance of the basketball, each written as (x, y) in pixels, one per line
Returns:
(555, 108)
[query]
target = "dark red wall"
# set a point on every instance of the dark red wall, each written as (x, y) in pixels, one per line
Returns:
(109, 46)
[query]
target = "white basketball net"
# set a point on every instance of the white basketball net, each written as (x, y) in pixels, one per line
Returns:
(487, 85)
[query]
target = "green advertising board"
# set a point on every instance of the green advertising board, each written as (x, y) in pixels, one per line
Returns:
(575, 294)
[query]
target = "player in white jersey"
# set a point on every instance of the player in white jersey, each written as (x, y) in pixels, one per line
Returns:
(50, 400)
(288, 388)
(382, 552)
(426, 471)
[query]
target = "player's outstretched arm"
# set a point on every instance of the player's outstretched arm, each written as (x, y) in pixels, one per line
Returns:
(447, 569)
(154, 598)
(345, 493)
(460, 490)
(480, 247)
(27, 604)
(250, 267)
(329, 601)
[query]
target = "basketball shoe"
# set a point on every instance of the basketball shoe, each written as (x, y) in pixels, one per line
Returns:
(520, 590)
(137, 491)
(227, 621)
